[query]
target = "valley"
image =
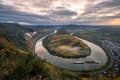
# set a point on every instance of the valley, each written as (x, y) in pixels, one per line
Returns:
(18, 54)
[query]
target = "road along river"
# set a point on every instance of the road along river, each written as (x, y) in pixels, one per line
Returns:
(97, 53)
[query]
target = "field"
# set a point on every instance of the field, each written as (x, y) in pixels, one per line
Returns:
(66, 45)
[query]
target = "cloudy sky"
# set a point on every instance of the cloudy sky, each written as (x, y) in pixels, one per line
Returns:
(45, 12)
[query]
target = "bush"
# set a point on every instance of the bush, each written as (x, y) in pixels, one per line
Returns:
(29, 65)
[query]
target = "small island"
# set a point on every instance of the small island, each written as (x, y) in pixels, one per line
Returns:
(65, 45)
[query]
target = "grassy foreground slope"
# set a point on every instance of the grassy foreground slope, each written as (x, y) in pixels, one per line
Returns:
(19, 64)
(65, 45)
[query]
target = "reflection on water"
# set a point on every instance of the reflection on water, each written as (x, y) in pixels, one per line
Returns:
(96, 54)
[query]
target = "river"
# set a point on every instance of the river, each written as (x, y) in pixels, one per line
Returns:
(97, 53)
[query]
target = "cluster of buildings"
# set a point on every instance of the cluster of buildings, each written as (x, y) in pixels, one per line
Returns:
(115, 50)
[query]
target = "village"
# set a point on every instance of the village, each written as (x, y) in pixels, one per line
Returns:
(115, 51)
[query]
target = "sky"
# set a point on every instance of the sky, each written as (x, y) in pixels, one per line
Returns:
(60, 12)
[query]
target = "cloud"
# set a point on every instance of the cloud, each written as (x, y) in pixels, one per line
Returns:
(24, 23)
(101, 12)
(60, 11)
(102, 7)
(64, 13)
(11, 14)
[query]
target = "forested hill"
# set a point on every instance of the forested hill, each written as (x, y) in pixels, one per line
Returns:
(22, 35)
(15, 33)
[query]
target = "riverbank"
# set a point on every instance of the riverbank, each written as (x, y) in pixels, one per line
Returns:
(67, 63)
(109, 63)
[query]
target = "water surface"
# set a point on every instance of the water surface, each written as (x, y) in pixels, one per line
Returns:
(97, 53)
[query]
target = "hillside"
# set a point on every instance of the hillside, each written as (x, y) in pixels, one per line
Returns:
(22, 36)
(19, 64)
